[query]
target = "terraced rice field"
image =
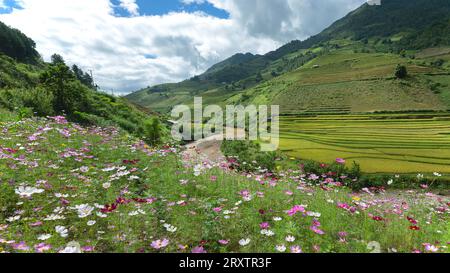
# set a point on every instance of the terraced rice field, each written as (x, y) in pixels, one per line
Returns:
(379, 143)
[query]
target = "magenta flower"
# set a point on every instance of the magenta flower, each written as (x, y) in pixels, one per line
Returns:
(218, 209)
(264, 225)
(294, 210)
(87, 248)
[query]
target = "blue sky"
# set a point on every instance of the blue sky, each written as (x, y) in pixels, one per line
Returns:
(160, 7)
(149, 7)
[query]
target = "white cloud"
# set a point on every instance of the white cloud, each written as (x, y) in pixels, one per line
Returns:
(128, 53)
(130, 6)
(3, 4)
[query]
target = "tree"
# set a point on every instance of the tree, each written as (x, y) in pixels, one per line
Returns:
(57, 59)
(152, 131)
(83, 77)
(401, 72)
(68, 93)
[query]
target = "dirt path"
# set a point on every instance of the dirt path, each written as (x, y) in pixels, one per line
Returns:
(208, 148)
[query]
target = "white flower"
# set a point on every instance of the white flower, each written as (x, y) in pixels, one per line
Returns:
(106, 185)
(28, 191)
(91, 223)
(54, 217)
(437, 174)
(281, 248)
(84, 210)
(62, 231)
(390, 182)
(101, 215)
(133, 177)
(197, 170)
(109, 169)
(72, 247)
(277, 219)
(268, 233)
(13, 218)
(314, 214)
(420, 176)
(244, 242)
(44, 237)
(290, 238)
(170, 228)
(60, 195)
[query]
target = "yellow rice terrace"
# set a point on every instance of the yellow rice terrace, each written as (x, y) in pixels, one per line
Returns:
(380, 143)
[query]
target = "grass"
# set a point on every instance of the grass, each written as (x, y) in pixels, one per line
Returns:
(160, 194)
(383, 143)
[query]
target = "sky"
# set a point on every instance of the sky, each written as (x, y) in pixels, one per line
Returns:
(132, 44)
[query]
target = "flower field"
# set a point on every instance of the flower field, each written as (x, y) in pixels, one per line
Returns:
(65, 188)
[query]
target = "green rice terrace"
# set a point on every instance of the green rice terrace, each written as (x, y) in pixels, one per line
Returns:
(380, 143)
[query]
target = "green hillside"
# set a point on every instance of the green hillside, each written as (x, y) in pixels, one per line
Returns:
(29, 86)
(349, 67)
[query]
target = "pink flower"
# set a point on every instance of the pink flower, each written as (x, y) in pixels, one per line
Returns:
(198, 250)
(294, 210)
(213, 178)
(340, 161)
(21, 246)
(158, 244)
(317, 230)
(218, 209)
(87, 248)
(296, 249)
(36, 224)
(59, 119)
(42, 247)
(264, 225)
(224, 242)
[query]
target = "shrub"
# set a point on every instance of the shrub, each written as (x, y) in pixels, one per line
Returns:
(247, 155)
(152, 131)
(401, 72)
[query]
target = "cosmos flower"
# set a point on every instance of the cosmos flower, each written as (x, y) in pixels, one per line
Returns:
(224, 242)
(62, 231)
(244, 242)
(290, 238)
(159, 244)
(44, 237)
(281, 248)
(42, 247)
(84, 210)
(198, 250)
(340, 161)
(296, 249)
(25, 191)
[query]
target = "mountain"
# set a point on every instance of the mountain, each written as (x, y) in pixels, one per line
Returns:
(348, 67)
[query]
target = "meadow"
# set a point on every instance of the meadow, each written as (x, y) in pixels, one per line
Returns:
(380, 143)
(67, 188)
